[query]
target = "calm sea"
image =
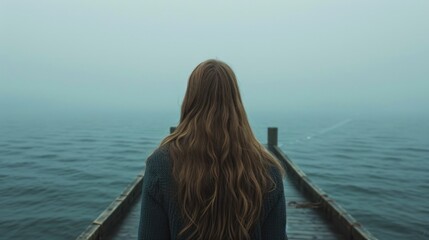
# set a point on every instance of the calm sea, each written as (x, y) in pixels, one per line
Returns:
(58, 174)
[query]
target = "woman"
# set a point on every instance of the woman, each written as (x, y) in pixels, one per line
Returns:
(211, 178)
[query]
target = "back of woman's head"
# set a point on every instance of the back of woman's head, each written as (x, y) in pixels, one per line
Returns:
(221, 170)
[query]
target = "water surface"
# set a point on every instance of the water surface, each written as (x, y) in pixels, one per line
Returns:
(58, 174)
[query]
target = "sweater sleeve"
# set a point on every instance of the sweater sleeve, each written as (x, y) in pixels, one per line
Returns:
(274, 226)
(153, 218)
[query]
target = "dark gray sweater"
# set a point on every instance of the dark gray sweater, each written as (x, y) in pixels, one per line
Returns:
(160, 214)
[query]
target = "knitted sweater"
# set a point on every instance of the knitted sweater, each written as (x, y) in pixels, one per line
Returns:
(160, 213)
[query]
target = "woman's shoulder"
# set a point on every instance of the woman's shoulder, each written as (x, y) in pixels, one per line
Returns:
(278, 189)
(159, 161)
(276, 174)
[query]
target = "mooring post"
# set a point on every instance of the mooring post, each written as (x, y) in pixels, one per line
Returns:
(172, 129)
(272, 136)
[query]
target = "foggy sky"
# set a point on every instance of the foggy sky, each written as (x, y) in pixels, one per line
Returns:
(296, 55)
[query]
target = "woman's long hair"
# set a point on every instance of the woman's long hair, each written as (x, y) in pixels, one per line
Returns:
(220, 168)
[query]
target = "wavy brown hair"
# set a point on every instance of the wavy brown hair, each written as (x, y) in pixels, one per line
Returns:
(221, 170)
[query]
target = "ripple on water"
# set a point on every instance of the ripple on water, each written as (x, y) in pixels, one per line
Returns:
(412, 149)
(10, 152)
(62, 143)
(127, 151)
(86, 140)
(19, 164)
(18, 226)
(352, 150)
(45, 156)
(341, 156)
(28, 147)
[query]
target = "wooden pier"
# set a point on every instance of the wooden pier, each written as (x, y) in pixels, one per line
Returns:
(311, 213)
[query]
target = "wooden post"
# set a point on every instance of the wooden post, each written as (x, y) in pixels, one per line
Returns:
(272, 136)
(172, 129)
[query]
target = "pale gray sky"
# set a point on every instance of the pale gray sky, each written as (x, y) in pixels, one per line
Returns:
(301, 55)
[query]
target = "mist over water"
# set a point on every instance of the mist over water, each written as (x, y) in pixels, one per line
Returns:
(292, 55)
(89, 88)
